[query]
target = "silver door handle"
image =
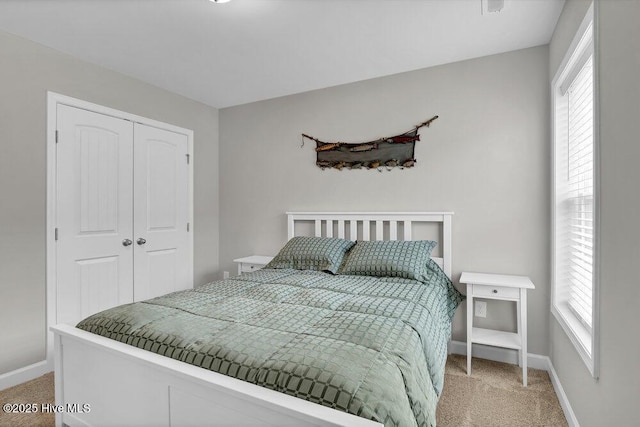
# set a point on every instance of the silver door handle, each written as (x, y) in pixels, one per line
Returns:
(126, 242)
(141, 241)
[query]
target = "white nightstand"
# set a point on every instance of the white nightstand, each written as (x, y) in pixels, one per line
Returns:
(252, 263)
(499, 287)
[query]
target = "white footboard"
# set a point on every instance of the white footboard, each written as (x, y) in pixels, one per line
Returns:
(103, 382)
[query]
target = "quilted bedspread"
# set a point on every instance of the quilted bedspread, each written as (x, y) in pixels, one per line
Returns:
(371, 346)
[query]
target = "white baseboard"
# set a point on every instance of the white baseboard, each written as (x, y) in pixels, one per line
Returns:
(562, 397)
(535, 361)
(25, 374)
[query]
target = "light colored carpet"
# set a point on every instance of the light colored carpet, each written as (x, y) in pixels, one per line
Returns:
(493, 396)
(36, 391)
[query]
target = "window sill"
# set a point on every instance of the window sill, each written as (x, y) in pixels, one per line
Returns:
(579, 335)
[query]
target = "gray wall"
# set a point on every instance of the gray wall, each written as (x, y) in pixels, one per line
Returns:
(486, 158)
(27, 72)
(613, 399)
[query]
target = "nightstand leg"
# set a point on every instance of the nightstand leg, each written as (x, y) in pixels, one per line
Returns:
(523, 310)
(469, 327)
(519, 321)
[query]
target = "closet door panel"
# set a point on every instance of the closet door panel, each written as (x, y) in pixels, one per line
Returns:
(94, 213)
(161, 212)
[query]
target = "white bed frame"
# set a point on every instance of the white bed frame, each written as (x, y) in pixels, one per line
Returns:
(127, 386)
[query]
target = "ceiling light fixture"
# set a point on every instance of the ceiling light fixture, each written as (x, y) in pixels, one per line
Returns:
(220, 1)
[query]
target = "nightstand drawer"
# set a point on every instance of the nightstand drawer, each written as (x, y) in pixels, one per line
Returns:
(248, 268)
(252, 263)
(496, 292)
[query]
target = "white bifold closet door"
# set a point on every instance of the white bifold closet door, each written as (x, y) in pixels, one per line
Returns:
(122, 213)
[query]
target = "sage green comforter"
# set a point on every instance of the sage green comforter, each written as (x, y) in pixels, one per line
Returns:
(371, 346)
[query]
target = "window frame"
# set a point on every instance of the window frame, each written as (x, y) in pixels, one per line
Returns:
(586, 342)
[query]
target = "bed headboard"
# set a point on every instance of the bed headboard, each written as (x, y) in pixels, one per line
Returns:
(376, 226)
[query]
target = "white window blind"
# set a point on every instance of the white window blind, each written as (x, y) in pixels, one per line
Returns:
(578, 254)
(575, 199)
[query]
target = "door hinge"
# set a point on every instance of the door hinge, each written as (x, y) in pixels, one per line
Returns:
(188, 158)
(56, 136)
(56, 233)
(188, 227)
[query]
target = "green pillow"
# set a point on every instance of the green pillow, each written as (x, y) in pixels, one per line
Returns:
(393, 258)
(312, 253)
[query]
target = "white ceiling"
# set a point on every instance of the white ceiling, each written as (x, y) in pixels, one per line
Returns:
(249, 50)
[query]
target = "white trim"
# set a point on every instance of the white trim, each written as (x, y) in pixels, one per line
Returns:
(562, 397)
(576, 332)
(51, 221)
(595, 330)
(53, 100)
(562, 70)
(590, 22)
(57, 98)
(25, 374)
(536, 361)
